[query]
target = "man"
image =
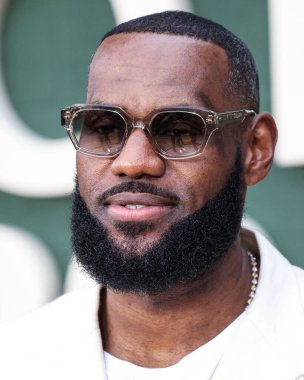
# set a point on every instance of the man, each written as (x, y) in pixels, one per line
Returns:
(167, 144)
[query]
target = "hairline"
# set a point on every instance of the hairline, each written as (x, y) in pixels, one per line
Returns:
(242, 82)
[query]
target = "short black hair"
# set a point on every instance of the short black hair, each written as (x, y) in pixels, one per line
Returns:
(243, 81)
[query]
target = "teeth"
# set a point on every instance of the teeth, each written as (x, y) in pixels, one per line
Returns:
(134, 206)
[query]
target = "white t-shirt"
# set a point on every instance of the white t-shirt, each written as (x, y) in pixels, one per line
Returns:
(198, 365)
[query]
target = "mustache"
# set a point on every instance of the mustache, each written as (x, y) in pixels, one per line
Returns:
(138, 187)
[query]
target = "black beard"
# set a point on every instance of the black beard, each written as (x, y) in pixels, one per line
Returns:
(187, 251)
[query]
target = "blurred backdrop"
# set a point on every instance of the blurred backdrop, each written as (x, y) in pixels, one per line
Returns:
(46, 47)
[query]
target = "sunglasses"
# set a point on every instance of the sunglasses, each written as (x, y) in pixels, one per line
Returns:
(175, 133)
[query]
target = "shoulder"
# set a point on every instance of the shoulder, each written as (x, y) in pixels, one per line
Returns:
(272, 331)
(60, 324)
(259, 245)
(280, 282)
(299, 275)
(278, 307)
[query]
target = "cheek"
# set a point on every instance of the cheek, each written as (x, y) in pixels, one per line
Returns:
(198, 182)
(89, 173)
(202, 177)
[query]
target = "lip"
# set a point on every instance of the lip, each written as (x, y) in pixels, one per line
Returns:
(155, 207)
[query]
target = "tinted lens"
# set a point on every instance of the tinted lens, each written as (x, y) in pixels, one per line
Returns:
(178, 133)
(99, 131)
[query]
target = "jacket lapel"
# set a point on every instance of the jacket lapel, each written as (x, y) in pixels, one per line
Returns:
(269, 343)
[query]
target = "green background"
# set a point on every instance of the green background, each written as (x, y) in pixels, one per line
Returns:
(46, 49)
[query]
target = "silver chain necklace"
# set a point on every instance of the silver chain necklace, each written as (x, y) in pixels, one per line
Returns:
(254, 278)
(253, 288)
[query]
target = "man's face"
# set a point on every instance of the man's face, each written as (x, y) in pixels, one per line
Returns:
(140, 73)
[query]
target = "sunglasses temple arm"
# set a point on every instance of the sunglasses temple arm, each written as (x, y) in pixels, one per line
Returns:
(228, 117)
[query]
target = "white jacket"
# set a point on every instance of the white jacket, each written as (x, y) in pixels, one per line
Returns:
(62, 340)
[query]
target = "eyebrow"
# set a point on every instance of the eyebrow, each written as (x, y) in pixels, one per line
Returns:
(97, 103)
(200, 95)
(203, 97)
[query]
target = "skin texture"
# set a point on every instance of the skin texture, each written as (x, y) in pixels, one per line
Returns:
(142, 72)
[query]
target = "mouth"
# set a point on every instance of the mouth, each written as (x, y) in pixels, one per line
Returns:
(132, 207)
(137, 207)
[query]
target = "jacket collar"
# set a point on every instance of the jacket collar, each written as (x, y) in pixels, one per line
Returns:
(269, 343)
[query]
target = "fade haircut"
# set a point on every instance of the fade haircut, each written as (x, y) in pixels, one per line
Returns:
(243, 80)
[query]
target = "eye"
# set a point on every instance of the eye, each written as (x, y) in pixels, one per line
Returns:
(182, 126)
(99, 130)
(103, 123)
(104, 129)
(178, 132)
(110, 133)
(99, 121)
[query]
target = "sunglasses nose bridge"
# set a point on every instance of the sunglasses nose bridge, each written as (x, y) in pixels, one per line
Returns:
(138, 124)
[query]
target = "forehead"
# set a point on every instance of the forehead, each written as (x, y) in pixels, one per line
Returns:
(145, 71)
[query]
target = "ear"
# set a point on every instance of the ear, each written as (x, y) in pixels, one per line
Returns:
(259, 145)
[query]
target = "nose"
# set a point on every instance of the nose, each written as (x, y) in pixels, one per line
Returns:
(138, 158)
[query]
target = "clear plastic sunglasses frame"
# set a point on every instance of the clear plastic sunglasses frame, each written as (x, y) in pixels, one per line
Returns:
(211, 121)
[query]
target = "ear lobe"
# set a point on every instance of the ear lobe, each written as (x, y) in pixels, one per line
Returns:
(260, 140)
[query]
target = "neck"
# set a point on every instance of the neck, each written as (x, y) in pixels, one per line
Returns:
(158, 330)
